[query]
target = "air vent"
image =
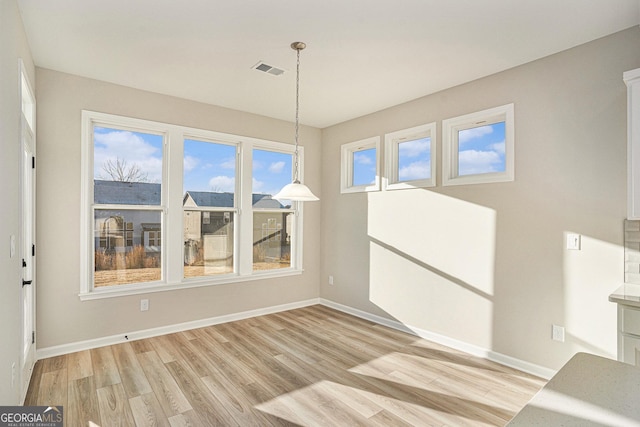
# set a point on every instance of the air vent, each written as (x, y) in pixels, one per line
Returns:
(269, 69)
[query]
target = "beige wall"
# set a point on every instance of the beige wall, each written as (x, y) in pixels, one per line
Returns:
(13, 45)
(487, 264)
(62, 317)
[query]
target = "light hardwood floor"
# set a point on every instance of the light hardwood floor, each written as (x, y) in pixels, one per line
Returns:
(310, 366)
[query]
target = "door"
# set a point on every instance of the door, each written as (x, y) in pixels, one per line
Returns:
(28, 235)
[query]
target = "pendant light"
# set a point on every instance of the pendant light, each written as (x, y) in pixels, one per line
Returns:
(296, 191)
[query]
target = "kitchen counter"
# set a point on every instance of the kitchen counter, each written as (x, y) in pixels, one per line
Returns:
(627, 294)
(589, 390)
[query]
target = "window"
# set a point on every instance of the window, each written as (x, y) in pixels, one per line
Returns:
(209, 208)
(272, 219)
(410, 158)
(127, 205)
(360, 166)
(136, 173)
(479, 147)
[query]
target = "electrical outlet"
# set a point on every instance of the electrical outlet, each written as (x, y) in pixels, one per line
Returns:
(557, 333)
(144, 304)
(331, 280)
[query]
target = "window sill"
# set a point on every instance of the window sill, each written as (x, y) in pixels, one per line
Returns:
(198, 283)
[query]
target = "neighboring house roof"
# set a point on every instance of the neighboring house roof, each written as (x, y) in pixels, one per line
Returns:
(146, 193)
(225, 200)
(126, 193)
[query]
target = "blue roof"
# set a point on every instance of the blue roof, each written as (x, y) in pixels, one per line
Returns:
(126, 193)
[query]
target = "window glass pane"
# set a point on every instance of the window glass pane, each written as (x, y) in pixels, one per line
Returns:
(209, 174)
(208, 243)
(272, 240)
(127, 247)
(482, 149)
(271, 171)
(364, 167)
(127, 167)
(414, 159)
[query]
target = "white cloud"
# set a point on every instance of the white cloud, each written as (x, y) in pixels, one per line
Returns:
(230, 163)
(498, 147)
(414, 148)
(467, 135)
(474, 161)
(257, 185)
(415, 170)
(129, 147)
(362, 159)
(222, 183)
(276, 167)
(190, 163)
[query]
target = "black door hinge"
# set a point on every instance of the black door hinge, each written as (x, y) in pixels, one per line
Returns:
(33, 162)
(33, 337)
(33, 250)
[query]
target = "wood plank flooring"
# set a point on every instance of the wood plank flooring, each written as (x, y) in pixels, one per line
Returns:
(310, 366)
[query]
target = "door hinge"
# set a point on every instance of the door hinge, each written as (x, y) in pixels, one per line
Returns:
(24, 263)
(33, 162)
(33, 337)
(33, 250)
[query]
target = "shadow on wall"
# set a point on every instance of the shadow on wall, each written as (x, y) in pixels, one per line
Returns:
(421, 243)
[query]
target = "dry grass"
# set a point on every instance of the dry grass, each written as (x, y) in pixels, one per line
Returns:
(142, 275)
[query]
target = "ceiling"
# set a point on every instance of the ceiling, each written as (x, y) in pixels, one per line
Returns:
(362, 55)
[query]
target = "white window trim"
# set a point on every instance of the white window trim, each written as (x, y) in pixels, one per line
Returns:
(346, 165)
(391, 157)
(171, 204)
(450, 129)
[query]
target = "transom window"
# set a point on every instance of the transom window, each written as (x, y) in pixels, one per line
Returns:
(360, 166)
(479, 147)
(410, 158)
(137, 173)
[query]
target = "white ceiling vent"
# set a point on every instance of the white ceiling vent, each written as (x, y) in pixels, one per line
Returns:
(269, 69)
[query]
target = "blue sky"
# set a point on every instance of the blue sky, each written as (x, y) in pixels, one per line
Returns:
(364, 167)
(414, 159)
(481, 149)
(207, 166)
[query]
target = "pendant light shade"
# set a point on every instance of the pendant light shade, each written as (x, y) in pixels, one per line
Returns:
(296, 191)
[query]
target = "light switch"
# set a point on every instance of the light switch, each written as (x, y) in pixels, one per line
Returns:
(573, 242)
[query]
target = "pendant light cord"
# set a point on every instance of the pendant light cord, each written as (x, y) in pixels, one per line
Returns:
(295, 170)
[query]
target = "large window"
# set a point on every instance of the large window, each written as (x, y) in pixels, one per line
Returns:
(138, 174)
(272, 219)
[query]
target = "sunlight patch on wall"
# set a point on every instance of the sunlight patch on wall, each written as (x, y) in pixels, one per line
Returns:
(444, 234)
(587, 284)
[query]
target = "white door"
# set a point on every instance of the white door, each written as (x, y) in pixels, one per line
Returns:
(28, 236)
(28, 252)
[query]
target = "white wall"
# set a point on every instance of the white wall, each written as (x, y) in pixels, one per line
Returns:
(486, 264)
(13, 45)
(62, 317)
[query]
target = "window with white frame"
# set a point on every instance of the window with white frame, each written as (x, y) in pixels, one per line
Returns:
(161, 207)
(360, 166)
(479, 147)
(410, 158)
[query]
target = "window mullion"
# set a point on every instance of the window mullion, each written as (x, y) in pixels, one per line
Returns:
(172, 225)
(245, 210)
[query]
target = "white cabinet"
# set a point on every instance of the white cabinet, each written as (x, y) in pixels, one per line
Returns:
(632, 80)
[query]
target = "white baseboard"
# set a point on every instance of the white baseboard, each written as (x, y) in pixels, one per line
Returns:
(472, 349)
(503, 359)
(58, 350)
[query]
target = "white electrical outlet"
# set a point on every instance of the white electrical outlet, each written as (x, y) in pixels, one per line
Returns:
(331, 280)
(557, 333)
(144, 304)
